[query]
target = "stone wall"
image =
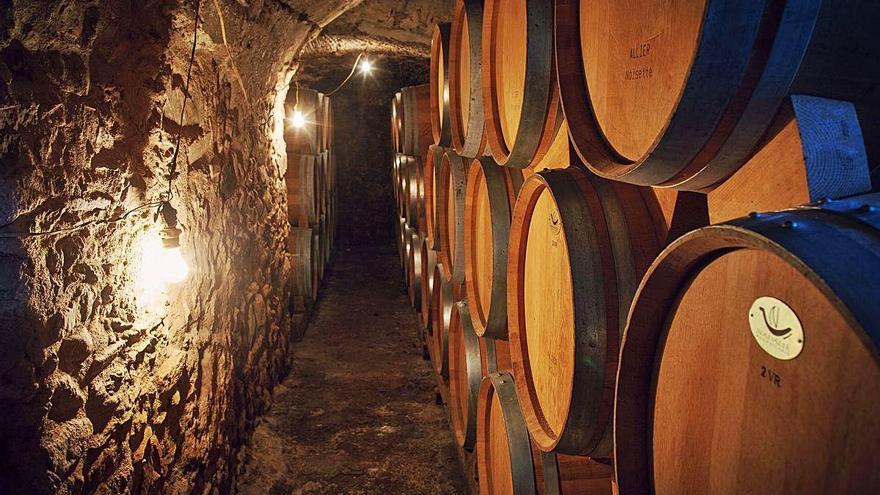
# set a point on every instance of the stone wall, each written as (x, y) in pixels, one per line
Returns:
(104, 388)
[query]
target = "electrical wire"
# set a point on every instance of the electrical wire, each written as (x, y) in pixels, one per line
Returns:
(80, 226)
(172, 167)
(353, 70)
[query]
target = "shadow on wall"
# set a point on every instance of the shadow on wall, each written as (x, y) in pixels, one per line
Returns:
(362, 140)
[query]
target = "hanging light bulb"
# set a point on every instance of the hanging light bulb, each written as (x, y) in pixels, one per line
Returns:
(366, 66)
(161, 260)
(174, 266)
(298, 119)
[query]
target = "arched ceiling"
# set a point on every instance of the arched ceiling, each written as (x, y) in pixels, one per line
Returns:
(397, 33)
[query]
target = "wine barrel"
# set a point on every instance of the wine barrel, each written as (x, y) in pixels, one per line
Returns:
(465, 373)
(453, 178)
(302, 180)
(324, 230)
(421, 210)
(327, 173)
(407, 247)
(417, 120)
(681, 94)
(489, 199)
(299, 245)
(520, 95)
(317, 261)
(331, 168)
(398, 175)
(326, 243)
(559, 155)
(497, 356)
(304, 139)
(431, 182)
(400, 228)
(465, 78)
(327, 124)
(445, 294)
(578, 247)
(334, 217)
(414, 268)
(507, 461)
(397, 122)
(406, 187)
(428, 264)
(413, 189)
(319, 189)
(786, 404)
(319, 122)
(441, 127)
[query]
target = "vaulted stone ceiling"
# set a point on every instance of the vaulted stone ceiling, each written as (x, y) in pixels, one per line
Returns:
(385, 29)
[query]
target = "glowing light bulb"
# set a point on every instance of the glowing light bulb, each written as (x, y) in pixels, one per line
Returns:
(161, 265)
(366, 66)
(174, 265)
(298, 119)
(161, 260)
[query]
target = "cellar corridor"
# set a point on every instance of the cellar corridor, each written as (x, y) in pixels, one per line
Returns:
(357, 413)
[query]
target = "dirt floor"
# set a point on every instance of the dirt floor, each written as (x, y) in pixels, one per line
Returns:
(357, 415)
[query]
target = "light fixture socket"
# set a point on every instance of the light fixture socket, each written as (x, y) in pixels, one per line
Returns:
(170, 237)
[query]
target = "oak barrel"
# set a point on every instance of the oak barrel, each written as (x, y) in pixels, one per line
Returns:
(681, 93)
(413, 189)
(327, 123)
(520, 95)
(417, 120)
(299, 245)
(406, 242)
(398, 173)
(578, 247)
(405, 179)
(453, 178)
(508, 463)
(428, 264)
(317, 260)
(431, 182)
(465, 373)
(319, 196)
(302, 180)
(397, 122)
(414, 268)
(441, 126)
(319, 121)
(489, 199)
(441, 313)
(497, 355)
(400, 228)
(304, 139)
(750, 362)
(465, 78)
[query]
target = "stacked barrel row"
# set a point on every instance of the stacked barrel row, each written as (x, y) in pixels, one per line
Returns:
(600, 316)
(311, 192)
(411, 137)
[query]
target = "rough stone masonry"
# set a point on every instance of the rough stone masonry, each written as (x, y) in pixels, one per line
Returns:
(103, 388)
(102, 391)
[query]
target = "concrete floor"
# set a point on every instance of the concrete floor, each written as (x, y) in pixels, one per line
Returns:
(357, 415)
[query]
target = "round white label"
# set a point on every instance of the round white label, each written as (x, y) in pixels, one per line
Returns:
(776, 328)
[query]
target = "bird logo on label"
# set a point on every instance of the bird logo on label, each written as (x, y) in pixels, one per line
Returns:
(774, 322)
(776, 328)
